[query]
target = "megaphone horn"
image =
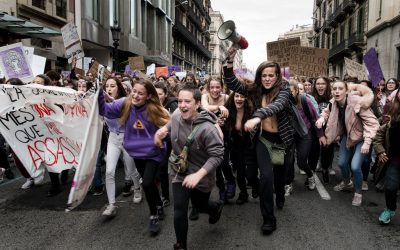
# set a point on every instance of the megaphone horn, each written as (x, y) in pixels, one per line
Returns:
(228, 31)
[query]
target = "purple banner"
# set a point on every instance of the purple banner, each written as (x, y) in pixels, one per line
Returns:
(175, 68)
(371, 61)
(130, 72)
(285, 72)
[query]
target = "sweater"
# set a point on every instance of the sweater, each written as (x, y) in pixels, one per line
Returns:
(139, 131)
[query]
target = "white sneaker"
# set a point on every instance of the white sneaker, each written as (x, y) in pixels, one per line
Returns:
(302, 172)
(357, 200)
(311, 183)
(111, 210)
(288, 189)
(332, 172)
(2, 170)
(28, 184)
(38, 180)
(364, 186)
(137, 195)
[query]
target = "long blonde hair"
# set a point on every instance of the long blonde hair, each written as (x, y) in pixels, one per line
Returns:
(156, 113)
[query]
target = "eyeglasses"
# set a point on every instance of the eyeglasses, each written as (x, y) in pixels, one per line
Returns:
(391, 82)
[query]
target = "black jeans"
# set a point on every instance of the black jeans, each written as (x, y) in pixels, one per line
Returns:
(225, 170)
(163, 172)
(327, 153)
(315, 150)
(4, 163)
(148, 170)
(182, 195)
(303, 147)
(392, 183)
(271, 177)
(239, 163)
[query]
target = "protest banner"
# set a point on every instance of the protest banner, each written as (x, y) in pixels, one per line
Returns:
(161, 71)
(277, 51)
(79, 71)
(355, 69)
(151, 69)
(29, 54)
(65, 74)
(14, 64)
(99, 71)
(72, 42)
(244, 73)
(173, 68)
(86, 63)
(371, 61)
(307, 61)
(50, 127)
(136, 63)
(180, 75)
(38, 64)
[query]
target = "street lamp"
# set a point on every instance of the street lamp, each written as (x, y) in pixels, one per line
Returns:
(116, 34)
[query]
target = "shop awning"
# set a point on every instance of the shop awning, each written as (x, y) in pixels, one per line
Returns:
(25, 28)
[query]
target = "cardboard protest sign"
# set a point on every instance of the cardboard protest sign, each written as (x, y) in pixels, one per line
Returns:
(180, 75)
(72, 42)
(38, 65)
(151, 69)
(307, 61)
(355, 69)
(161, 71)
(278, 51)
(136, 63)
(13, 62)
(371, 61)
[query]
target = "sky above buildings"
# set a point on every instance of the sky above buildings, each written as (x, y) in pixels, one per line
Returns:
(261, 21)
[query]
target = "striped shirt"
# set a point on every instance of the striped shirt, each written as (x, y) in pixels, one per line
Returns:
(281, 106)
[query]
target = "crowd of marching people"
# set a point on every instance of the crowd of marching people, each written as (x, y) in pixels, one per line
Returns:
(235, 133)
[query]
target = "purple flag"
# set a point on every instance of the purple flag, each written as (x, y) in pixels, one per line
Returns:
(374, 68)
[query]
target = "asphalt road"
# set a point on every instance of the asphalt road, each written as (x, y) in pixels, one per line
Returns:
(30, 220)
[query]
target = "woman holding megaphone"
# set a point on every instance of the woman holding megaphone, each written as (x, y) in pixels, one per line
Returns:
(275, 134)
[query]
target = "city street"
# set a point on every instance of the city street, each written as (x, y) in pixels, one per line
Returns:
(30, 220)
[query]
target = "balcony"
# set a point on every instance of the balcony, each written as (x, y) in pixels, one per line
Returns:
(337, 16)
(195, 19)
(359, 1)
(317, 26)
(339, 50)
(348, 6)
(326, 28)
(356, 41)
(318, 2)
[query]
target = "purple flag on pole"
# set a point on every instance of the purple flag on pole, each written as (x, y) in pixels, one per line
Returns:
(374, 68)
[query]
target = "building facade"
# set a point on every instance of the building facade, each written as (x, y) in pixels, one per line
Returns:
(191, 35)
(146, 30)
(383, 34)
(304, 32)
(340, 26)
(37, 24)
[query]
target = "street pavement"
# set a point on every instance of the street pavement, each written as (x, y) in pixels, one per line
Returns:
(30, 220)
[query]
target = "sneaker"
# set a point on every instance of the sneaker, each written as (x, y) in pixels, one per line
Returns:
(154, 225)
(268, 227)
(165, 202)
(9, 174)
(386, 216)
(343, 186)
(255, 192)
(243, 198)
(160, 213)
(38, 180)
(288, 189)
(325, 176)
(332, 172)
(28, 184)
(137, 195)
(357, 200)
(311, 183)
(111, 210)
(302, 172)
(364, 186)
(2, 170)
(99, 190)
(318, 169)
(194, 214)
(127, 189)
(179, 246)
(216, 214)
(230, 191)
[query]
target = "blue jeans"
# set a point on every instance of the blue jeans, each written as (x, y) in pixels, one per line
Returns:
(351, 157)
(392, 183)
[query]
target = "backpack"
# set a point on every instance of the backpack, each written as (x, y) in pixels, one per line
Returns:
(298, 122)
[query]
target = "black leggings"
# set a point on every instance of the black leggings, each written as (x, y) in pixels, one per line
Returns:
(148, 170)
(225, 170)
(327, 153)
(182, 195)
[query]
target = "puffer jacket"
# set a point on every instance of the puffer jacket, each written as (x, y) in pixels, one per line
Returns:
(361, 123)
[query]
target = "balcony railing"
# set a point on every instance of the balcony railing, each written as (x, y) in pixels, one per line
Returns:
(317, 26)
(318, 2)
(356, 40)
(359, 1)
(348, 5)
(326, 28)
(337, 16)
(338, 49)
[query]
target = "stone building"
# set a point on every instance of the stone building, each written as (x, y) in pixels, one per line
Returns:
(304, 32)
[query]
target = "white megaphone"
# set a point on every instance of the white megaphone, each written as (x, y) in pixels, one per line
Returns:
(228, 31)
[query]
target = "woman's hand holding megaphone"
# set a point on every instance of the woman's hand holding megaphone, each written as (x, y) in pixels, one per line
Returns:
(231, 53)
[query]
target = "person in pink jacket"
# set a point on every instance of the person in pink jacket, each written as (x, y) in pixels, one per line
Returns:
(351, 122)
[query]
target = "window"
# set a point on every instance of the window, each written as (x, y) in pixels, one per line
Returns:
(350, 28)
(342, 31)
(39, 3)
(360, 21)
(334, 38)
(133, 16)
(380, 10)
(93, 9)
(61, 8)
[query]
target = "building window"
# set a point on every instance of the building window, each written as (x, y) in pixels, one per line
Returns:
(61, 8)
(334, 38)
(39, 3)
(351, 20)
(133, 19)
(342, 31)
(360, 23)
(93, 9)
(380, 10)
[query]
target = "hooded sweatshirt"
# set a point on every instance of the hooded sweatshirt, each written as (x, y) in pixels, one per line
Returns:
(139, 131)
(206, 150)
